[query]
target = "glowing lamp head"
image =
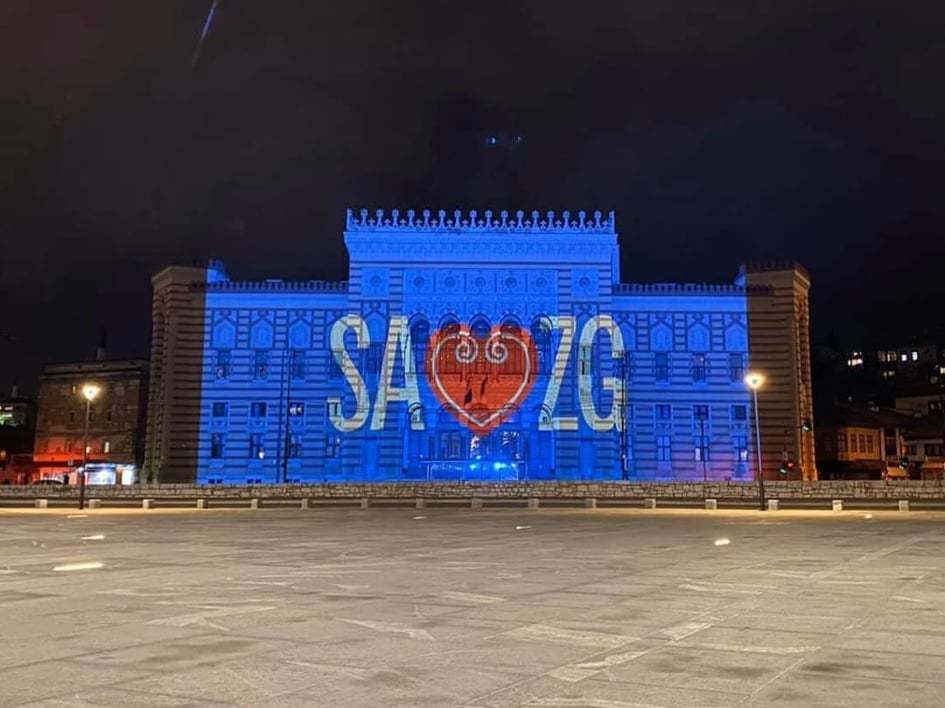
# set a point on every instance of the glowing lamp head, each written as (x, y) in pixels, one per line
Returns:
(91, 391)
(755, 380)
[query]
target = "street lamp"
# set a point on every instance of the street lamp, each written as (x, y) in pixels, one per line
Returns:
(90, 393)
(756, 380)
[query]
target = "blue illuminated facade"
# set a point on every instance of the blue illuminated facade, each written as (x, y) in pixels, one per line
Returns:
(316, 381)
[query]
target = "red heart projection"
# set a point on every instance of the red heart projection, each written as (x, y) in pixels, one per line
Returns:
(481, 380)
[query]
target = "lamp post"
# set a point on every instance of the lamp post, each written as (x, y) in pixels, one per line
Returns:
(756, 380)
(90, 393)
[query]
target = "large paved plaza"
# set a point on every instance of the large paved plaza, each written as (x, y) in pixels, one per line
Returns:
(455, 607)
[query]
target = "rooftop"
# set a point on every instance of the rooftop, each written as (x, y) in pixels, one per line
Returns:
(476, 222)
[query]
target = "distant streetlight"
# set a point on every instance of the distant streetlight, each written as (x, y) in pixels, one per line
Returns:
(756, 380)
(90, 392)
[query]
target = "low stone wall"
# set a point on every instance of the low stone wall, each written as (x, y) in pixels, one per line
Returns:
(431, 490)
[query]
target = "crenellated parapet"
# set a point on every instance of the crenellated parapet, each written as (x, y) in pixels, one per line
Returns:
(487, 221)
(688, 289)
(340, 286)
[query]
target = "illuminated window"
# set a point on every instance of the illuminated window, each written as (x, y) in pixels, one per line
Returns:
(217, 443)
(702, 449)
(903, 357)
(107, 446)
(915, 356)
(261, 365)
(661, 367)
(740, 446)
(296, 409)
(222, 367)
(664, 447)
(257, 450)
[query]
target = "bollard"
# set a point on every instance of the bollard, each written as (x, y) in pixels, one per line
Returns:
(421, 503)
(903, 505)
(590, 503)
(147, 503)
(711, 504)
(533, 503)
(305, 503)
(838, 504)
(254, 503)
(476, 503)
(201, 503)
(365, 503)
(649, 503)
(44, 503)
(773, 505)
(94, 504)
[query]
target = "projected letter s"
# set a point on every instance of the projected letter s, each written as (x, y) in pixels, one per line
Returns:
(351, 373)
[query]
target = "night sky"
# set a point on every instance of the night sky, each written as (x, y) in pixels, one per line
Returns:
(719, 132)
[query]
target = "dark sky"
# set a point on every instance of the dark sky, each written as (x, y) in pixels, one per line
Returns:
(719, 131)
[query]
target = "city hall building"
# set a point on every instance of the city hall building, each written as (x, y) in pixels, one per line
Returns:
(477, 346)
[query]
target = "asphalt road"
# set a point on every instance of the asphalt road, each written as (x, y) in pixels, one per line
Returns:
(455, 607)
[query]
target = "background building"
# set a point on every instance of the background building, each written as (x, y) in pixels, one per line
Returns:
(17, 428)
(246, 384)
(116, 422)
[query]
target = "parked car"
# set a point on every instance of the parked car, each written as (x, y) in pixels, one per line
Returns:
(48, 480)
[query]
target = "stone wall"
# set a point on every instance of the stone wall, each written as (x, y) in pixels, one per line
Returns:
(546, 490)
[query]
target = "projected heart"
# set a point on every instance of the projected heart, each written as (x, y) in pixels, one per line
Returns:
(481, 380)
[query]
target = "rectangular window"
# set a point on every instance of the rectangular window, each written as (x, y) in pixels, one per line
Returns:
(297, 364)
(841, 442)
(702, 449)
(107, 446)
(700, 412)
(217, 443)
(698, 368)
(332, 446)
(295, 446)
(740, 446)
(296, 409)
(869, 444)
(661, 367)
(222, 366)
(915, 356)
(261, 365)
(586, 360)
(882, 357)
(853, 446)
(910, 450)
(108, 415)
(664, 448)
(663, 411)
(333, 409)
(736, 367)
(257, 450)
(862, 443)
(258, 409)
(220, 410)
(739, 412)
